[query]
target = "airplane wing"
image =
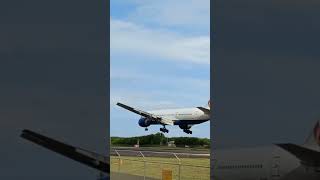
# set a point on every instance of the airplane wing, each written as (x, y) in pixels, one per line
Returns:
(147, 115)
(88, 158)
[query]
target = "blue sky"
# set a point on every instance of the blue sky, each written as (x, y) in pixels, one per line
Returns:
(160, 58)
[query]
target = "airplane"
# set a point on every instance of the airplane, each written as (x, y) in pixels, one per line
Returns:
(88, 158)
(276, 162)
(185, 118)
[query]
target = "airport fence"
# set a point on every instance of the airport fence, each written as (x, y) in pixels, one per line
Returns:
(161, 165)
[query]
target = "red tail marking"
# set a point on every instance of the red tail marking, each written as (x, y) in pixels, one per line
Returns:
(316, 133)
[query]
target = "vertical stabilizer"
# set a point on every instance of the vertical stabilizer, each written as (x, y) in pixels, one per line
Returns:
(313, 141)
(209, 104)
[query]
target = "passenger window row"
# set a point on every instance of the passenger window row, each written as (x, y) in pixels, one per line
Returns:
(247, 166)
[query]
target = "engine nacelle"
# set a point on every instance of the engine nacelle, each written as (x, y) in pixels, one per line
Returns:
(144, 122)
(185, 126)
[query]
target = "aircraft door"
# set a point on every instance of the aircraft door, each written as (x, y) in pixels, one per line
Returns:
(275, 169)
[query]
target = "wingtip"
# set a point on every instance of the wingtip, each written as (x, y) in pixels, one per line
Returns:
(27, 131)
(24, 131)
(121, 105)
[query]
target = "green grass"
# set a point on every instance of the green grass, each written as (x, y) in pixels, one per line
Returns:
(191, 168)
(166, 148)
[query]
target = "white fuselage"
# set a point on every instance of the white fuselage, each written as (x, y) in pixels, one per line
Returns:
(267, 163)
(183, 114)
(185, 118)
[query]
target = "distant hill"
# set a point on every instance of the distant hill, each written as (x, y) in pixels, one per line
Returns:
(160, 139)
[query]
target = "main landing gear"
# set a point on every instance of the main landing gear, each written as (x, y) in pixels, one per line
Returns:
(146, 129)
(164, 130)
(187, 131)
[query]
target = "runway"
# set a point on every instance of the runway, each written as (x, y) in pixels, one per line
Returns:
(159, 152)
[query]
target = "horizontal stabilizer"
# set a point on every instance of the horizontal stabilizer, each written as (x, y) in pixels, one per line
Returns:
(88, 158)
(205, 110)
(307, 156)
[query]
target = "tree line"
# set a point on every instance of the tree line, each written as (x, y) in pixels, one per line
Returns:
(159, 139)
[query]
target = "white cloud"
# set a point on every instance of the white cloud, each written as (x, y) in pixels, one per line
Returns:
(170, 80)
(195, 90)
(173, 31)
(132, 39)
(140, 100)
(193, 14)
(158, 99)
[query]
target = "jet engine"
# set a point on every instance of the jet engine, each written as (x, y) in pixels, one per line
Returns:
(144, 122)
